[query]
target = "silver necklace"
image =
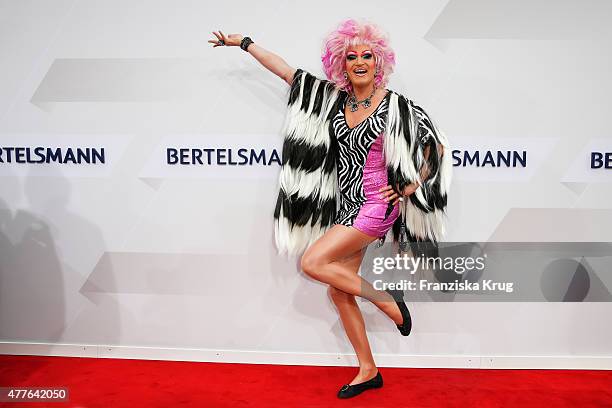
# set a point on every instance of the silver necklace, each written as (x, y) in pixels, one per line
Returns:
(352, 100)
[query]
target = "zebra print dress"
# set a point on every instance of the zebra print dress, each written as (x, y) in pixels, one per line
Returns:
(362, 172)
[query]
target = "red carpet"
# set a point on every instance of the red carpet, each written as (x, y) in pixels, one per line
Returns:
(140, 383)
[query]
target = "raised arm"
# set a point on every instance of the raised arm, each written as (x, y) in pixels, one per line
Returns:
(268, 59)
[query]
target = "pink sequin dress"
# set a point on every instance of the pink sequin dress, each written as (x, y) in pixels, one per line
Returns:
(362, 172)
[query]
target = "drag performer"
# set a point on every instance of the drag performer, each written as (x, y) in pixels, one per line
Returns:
(358, 161)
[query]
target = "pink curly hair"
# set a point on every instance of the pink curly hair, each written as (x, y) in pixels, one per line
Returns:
(351, 33)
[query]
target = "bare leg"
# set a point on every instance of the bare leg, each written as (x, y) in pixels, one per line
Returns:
(320, 261)
(353, 323)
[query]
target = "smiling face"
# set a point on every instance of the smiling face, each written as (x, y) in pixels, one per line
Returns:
(360, 65)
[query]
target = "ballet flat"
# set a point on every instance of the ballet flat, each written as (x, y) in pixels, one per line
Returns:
(406, 326)
(349, 391)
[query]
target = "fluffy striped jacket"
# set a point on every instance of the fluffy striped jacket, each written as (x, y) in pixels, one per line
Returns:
(308, 197)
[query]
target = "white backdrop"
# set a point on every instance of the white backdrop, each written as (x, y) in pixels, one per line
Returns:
(135, 257)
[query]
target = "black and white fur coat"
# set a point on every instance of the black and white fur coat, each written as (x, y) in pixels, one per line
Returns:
(309, 196)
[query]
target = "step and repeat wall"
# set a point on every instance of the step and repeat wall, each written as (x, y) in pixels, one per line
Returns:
(139, 170)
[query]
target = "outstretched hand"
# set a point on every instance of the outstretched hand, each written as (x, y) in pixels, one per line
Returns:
(229, 40)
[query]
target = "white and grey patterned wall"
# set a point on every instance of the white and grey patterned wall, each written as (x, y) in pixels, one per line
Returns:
(139, 245)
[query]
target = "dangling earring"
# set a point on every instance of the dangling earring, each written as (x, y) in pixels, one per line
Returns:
(345, 75)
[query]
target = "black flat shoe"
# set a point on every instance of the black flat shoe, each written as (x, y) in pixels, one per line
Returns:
(406, 326)
(349, 391)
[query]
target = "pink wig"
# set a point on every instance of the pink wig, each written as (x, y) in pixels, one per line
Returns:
(352, 33)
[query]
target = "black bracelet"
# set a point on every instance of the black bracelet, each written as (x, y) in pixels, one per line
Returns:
(244, 44)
